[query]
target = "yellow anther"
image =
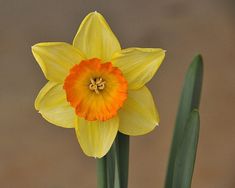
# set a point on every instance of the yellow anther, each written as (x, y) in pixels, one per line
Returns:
(96, 84)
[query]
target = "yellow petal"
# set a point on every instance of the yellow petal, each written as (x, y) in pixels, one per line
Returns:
(138, 116)
(43, 92)
(53, 106)
(95, 38)
(56, 59)
(138, 64)
(96, 137)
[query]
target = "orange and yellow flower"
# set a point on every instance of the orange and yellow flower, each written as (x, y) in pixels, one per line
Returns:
(97, 88)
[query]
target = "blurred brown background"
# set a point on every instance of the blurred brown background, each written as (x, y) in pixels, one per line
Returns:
(34, 153)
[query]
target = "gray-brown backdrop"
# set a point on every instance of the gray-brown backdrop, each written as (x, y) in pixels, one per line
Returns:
(34, 153)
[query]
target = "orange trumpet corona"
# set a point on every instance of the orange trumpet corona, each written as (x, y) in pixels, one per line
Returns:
(96, 90)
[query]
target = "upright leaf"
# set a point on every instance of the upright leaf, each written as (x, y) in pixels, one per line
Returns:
(190, 99)
(186, 154)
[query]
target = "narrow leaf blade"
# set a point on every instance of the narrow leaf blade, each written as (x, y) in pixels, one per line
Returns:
(190, 99)
(186, 154)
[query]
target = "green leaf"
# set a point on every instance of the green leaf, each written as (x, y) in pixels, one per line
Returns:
(186, 154)
(190, 99)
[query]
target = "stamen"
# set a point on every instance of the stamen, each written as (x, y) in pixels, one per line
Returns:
(96, 84)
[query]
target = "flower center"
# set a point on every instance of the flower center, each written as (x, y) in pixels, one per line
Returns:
(95, 90)
(96, 85)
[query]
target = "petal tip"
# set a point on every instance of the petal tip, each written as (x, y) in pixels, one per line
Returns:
(95, 13)
(33, 48)
(36, 47)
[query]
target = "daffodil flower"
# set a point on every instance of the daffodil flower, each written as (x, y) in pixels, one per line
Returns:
(96, 87)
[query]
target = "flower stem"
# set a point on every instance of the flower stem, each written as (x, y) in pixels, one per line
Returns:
(101, 173)
(123, 158)
(112, 169)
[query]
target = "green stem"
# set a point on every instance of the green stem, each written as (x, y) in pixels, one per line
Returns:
(123, 158)
(112, 169)
(101, 173)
